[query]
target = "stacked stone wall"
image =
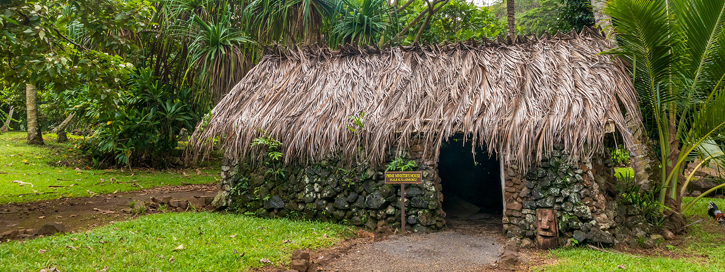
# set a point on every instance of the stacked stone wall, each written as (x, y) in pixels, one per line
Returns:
(355, 193)
(584, 197)
(334, 190)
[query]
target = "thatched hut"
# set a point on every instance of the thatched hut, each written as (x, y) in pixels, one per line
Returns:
(533, 111)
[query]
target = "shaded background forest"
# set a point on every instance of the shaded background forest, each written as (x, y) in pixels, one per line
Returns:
(135, 76)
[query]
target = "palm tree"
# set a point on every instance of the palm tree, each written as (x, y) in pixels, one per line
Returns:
(362, 22)
(677, 51)
(220, 53)
(511, 14)
(287, 21)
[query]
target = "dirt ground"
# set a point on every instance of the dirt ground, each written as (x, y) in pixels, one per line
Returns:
(80, 214)
(473, 244)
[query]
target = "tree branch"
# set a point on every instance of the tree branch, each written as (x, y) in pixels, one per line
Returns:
(401, 9)
(69, 40)
(398, 36)
(425, 23)
(58, 32)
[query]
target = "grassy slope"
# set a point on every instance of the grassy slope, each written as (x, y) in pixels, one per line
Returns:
(34, 164)
(704, 246)
(148, 243)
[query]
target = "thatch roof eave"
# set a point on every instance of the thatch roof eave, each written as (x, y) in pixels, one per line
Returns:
(517, 98)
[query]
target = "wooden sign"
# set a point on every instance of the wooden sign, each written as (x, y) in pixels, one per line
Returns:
(404, 177)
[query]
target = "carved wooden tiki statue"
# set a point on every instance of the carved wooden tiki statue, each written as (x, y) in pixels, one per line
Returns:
(547, 231)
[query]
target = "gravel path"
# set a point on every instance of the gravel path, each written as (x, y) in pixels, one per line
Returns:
(440, 251)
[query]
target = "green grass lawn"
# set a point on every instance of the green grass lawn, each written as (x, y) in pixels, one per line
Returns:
(211, 242)
(59, 165)
(702, 250)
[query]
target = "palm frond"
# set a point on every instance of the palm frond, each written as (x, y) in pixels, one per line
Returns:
(701, 23)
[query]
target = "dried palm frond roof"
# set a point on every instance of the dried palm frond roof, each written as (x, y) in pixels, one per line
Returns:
(518, 99)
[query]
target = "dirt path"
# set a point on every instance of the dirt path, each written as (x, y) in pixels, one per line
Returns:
(440, 251)
(78, 214)
(468, 245)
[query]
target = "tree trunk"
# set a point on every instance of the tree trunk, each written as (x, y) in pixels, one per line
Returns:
(62, 136)
(675, 221)
(643, 161)
(511, 14)
(31, 102)
(7, 121)
(60, 129)
(603, 20)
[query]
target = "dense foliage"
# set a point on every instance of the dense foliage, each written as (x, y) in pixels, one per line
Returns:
(459, 20)
(575, 14)
(534, 17)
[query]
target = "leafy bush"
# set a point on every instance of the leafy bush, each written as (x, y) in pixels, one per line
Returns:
(273, 148)
(142, 125)
(400, 164)
(619, 155)
(646, 201)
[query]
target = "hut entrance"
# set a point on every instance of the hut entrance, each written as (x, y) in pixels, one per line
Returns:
(472, 192)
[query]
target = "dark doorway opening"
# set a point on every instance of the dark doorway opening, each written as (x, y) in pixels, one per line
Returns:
(471, 185)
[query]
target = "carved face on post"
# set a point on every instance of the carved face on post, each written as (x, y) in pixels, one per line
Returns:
(547, 231)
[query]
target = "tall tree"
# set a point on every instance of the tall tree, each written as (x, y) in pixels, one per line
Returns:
(511, 15)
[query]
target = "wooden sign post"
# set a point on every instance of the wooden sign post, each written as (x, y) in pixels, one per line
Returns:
(403, 178)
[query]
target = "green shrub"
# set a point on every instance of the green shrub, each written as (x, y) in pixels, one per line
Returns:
(400, 164)
(619, 155)
(143, 124)
(629, 194)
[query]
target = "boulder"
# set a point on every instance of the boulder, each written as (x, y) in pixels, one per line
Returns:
(375, 201)
(51, 228)
(300, 261)
(274, 202)
(657, 238)
(530, 204)
(599, 236)
(546, 202)
(413, 192)
(341, 203)
(220, 200)
(327, 193)
(509, 258)
(702, 184)
(537, 194)
(580, 236)
(527, 243)
(11, 234)
(667, 234)
(351, 197)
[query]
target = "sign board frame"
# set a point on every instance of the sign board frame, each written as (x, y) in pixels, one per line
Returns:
(403, 178)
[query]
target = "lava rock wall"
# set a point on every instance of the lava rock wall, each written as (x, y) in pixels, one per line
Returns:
(577, 193)
(355, 193)
(334, 190)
